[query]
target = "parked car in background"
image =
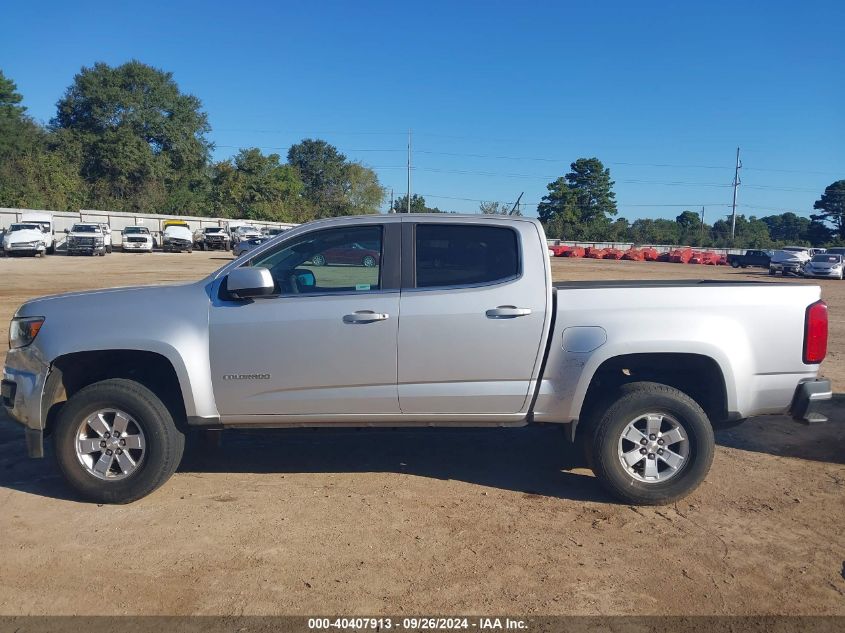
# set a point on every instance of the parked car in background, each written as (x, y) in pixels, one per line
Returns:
(464, 328)
(23, 238)
(211, 238)
(816, 251)
(355, 254)
(136, 239)
(243, 233)
(824, 265)
(86, 238)
(836, 250)
(45, 223)
(177, 238)
(273, 232)
(247, 245)
(789, 260)
(752, 258)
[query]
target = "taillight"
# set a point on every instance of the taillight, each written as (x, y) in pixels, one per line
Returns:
(815, 333)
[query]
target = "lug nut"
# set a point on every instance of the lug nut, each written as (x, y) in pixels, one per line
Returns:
(661, 441)
(652, 437)
(120, 451)
(108, 452)
(643, 451)
(102, 444)
(651, 455)
(643, 441)
(107, 435)
(660, 451)
(123, 442)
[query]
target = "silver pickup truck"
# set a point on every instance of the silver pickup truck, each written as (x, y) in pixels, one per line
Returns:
(411, 320)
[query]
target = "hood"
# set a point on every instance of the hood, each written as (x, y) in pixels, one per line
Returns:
(24, 235)
(791, 256)
(94, 301)
(179, 232)
(86, 234)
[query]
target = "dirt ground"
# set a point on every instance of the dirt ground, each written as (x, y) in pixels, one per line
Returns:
(420, 522)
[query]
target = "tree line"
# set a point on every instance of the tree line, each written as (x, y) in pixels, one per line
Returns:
(126, 138)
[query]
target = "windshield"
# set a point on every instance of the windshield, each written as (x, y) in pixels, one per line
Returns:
(23, 227)
(827, 259)
(247, 229)
(85, 228)
(213, 229)
(136, 230)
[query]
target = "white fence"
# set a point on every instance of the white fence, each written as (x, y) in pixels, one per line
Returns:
(119, 220)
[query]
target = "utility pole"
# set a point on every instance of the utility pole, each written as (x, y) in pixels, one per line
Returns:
(516, 204)
(736, 187)
(409, 170)
(391, 210)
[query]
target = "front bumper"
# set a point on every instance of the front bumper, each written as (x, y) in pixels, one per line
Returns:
(137, 246)
(25, 249)
(809, 393)
(20, 394)
(822, 274)
(788, 268)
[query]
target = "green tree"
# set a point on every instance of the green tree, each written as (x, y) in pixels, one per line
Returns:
(579, 205)
(257, 187)
(141, 137)
(832, 207)
(362, 191)
(498, 208)
(18, 133)
(593, 188)
(418, 205)
(689, 228)
(322, 169)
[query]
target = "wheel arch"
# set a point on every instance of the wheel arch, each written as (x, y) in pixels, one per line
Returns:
(72, 371)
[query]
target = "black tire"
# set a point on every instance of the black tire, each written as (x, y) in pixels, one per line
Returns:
(735, 264)
(636, 399)
(319, 260)
(772, 272)
(164, 442)
(51, 250)
(369, 261)
(109, 248)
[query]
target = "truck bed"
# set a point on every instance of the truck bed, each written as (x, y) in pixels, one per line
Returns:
(658, 283)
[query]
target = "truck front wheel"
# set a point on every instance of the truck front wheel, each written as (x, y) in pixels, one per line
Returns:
(115, 442)
(653, 445)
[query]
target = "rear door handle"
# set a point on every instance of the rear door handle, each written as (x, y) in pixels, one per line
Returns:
(507, 312)
(365, 316)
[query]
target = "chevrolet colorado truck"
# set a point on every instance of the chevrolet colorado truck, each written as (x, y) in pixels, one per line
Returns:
(458, 323)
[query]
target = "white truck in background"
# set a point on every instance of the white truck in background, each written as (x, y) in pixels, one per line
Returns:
(33, 235)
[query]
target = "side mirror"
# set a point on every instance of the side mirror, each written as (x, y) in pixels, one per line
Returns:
(248, 282)
(305, 278)
(67, 230)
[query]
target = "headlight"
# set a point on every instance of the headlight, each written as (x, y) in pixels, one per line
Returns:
(23, 330)
(98, 241)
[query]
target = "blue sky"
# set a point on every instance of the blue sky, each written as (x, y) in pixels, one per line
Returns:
(501, 96)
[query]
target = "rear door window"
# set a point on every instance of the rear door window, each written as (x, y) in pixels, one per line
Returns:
(465, 254)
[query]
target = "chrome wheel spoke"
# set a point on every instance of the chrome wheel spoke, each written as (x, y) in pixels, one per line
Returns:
(103, 464)
(671, 458)
(673, 436)
(99, 425)
(87, 446)
(632, 457)
(650, 470)
(120, 423)
(653, 423)
(133, 441)
(126, 463)
(633, 434)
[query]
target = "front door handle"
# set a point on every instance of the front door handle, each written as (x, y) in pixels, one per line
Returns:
(507, 312)
(365, 316)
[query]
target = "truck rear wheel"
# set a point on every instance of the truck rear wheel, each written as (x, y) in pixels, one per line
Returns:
(735, 264)
(116, 442)
(653, 445)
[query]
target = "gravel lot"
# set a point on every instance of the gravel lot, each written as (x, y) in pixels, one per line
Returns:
(425, 521)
